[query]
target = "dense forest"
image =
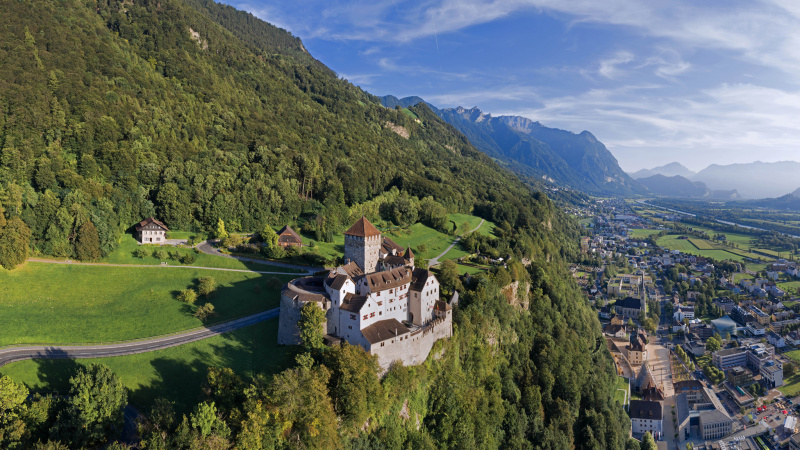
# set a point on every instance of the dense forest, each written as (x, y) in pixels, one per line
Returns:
(112, 111)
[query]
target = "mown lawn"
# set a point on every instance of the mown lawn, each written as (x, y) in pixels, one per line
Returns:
(175, 373)
(54, 303)
(423, 240)
(124, 254)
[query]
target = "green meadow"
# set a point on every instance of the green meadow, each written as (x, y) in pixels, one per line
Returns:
(54, 303)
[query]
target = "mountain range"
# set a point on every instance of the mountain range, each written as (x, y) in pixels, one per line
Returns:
(748, 180)
(530, 148)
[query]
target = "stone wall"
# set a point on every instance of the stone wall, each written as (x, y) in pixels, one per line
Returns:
(288, 331)
(363, 251)
(415, 349)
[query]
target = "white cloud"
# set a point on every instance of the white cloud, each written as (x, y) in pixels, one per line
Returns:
(609, 68)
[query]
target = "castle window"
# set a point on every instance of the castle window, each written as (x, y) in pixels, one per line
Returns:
(380, 303)
(353, 317)
(366, 317)
(372, 314)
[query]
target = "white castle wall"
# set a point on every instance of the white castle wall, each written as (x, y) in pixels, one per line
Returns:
(415, 349)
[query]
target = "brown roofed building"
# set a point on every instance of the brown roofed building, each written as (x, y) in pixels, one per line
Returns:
(362, 245)
(287, 237)
(151, 231)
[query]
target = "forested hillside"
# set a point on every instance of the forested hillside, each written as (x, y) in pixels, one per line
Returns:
(113, 111)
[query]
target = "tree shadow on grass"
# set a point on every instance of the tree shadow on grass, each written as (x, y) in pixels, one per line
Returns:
(55, 371)
(248, 351)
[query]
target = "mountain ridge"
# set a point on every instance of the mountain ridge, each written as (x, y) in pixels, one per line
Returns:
(577, 160)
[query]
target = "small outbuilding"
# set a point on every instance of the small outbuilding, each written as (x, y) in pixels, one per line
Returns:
(151, 231)
(287, 237)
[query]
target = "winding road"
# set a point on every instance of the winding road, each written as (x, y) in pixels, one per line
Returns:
(207, 248)
(12, 354)
(435, 261)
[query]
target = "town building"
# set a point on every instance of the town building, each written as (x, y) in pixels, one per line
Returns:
(771, 374)
(637, 348)
(646, 416)
(729, 358)
(630, 307)
(739, 376)
(392, 310)
(287, 237)
(693, 389)
(151, 231)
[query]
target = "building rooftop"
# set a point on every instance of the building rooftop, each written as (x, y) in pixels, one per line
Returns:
(362, 228)
(643, 409)
(383, 330)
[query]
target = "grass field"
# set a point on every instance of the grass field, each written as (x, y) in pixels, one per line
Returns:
(702, 244)
(425, 241)
(638, 233)
(620, 389)
(790, 286)
(128, 245)
(53, 303)
(175, 373)
(792, 384)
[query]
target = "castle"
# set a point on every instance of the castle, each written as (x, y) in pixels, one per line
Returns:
(377, 300)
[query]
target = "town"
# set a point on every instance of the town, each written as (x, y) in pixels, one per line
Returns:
(706, 349)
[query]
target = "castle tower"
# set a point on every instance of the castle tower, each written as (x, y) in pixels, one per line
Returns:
(362, 244)
(409, 256)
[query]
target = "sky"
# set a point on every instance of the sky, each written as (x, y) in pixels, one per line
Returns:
(711, 82)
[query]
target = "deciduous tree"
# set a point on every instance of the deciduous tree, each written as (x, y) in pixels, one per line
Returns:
(310, 324)
(15, 237)
(87, 244)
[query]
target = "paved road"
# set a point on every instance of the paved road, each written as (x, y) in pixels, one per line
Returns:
(435, 261)
(12, 354)
(75, 263)
(209, 249)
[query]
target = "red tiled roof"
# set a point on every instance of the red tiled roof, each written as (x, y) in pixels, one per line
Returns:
(363, 228)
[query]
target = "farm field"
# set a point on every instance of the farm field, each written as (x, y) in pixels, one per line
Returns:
(175, 373)
(53, 303)
(638, 233)
(705, 248)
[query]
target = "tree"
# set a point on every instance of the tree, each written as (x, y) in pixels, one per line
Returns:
(160, 255)
(205, 311)
(310, 324)
(15, 238)
(140, 253)
(220, 232)
(206, 286)
(355, 387)
(648, 443)
(269, 237)
(94, 407)
(87, 244)
(713, 344)
(788, 370)
(448, 274)
(12, 412)
(207, 421)
(187, 296)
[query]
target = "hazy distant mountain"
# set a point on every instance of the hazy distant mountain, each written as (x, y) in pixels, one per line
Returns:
(669, 170)
(576, 160)
(753, 180)
(675, 186)
(678, 186)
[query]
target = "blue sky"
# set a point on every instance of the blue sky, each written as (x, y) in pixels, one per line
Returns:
(657, 81)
